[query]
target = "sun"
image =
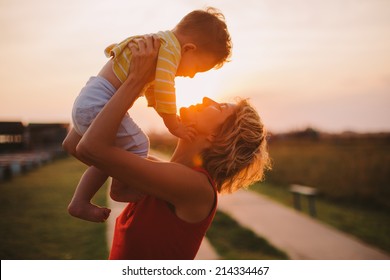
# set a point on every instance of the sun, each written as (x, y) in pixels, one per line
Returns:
(191, 91)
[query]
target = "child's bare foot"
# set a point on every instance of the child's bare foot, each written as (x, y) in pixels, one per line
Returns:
(88, 212)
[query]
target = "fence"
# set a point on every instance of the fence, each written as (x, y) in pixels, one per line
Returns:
(14, 164)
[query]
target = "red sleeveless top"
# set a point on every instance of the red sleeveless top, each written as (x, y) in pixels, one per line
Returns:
(150, 230)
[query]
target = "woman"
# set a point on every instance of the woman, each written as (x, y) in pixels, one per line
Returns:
(228, 152)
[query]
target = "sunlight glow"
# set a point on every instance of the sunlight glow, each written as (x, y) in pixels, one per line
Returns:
(191, 91)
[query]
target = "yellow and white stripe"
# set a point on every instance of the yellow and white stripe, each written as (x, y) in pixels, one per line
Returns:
(161, 94)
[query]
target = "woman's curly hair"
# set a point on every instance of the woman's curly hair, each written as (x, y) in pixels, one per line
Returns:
(238, 155)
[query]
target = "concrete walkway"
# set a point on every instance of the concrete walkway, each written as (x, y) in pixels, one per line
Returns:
(300, 236)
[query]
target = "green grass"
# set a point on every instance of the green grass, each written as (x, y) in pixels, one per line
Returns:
(234, 242)
(34, 220)
(369, 224)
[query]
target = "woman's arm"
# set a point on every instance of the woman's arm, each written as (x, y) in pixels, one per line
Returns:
(172, 182)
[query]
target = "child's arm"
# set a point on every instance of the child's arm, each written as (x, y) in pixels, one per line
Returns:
(177, 128)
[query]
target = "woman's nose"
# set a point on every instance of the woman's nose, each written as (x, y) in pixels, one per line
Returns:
(208, 101)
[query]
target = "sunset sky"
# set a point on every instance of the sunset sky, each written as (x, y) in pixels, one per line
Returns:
(324, 64)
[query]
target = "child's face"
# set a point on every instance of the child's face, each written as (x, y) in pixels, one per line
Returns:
(193, 61)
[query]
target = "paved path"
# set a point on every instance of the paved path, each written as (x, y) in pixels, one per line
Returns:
(300, 236)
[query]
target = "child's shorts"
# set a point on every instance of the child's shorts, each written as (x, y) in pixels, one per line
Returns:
(91, 100)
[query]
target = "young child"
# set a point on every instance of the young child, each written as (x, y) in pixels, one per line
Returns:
(198, 43)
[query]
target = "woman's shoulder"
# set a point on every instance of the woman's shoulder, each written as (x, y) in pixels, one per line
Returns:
(207, 174)
(200, 200)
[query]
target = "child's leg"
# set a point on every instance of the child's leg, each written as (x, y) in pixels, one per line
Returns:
(83, 113)
(81, 206)
(70, 142)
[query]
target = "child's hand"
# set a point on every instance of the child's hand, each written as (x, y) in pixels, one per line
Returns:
(185, 132)
(177, 128)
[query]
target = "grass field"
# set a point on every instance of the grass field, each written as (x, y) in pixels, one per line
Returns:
(34, 222)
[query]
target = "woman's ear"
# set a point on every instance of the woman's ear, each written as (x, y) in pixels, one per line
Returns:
(188, 47)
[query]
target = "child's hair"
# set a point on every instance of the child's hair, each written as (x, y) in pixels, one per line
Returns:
(238, 155)
(209, 31)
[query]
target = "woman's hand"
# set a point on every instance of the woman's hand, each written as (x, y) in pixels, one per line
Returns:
(97, 144)
(144, 57)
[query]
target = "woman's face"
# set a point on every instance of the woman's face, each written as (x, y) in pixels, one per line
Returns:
(208, 116)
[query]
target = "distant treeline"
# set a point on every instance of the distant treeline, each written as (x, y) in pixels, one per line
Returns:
(344, 137)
